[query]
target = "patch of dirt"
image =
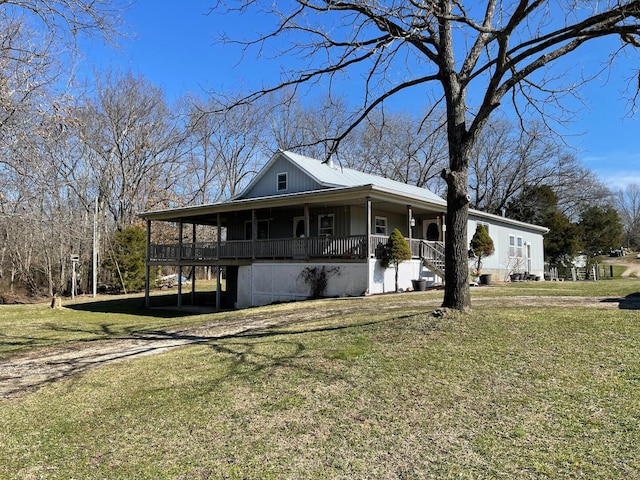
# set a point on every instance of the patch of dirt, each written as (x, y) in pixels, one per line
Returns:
(632, 265)
(20, 374)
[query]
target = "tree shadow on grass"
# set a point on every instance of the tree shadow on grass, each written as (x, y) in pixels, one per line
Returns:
(630, 302)
(22, 375)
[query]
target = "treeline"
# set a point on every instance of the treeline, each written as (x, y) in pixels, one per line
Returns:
(95, 155)
(121, 147)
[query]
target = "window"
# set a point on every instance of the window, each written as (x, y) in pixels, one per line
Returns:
(325, 225)
(282, 181)
(520, 252)
(262, 233)
(381, 225)
(512, 245)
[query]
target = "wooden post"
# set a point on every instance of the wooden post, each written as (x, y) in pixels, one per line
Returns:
(368, 242)
(147, 275)
(368, 231)
(254, 233)
(409, 222)
(193, 267)
(180, 265)
(218, 287)
(307, 230)
(218, 275)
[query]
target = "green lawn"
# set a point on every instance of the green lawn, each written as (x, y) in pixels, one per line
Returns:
(504, 392)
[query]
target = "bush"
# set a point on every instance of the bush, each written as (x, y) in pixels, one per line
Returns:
(396, 251)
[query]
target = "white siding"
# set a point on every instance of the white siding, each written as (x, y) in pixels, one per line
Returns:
(265, 283)
(502, 262)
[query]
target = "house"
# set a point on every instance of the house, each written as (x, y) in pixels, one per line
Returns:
(301, 221)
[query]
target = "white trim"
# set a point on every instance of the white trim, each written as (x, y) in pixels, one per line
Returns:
(322, 231)
(378, 230)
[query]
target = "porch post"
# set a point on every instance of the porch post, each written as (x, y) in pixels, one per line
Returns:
(180, 265)
(369, 218)
(193, 267)
(218, 276)
(218, 287)
(147, 273)
(368, 242)
(254, 233)
(409, 221)
(307, 230)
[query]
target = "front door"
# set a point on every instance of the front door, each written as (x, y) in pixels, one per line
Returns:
(430, 230)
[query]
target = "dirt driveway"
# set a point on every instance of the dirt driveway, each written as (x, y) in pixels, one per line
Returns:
(21, 374)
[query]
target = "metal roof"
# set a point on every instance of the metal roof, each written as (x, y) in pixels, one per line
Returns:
(330, 175)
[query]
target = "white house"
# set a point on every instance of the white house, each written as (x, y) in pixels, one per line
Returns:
(300, 219)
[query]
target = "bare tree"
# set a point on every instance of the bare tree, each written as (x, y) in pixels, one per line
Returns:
(39, 41)
(133, 143)
(577, 187)
(627, 202)
(41, 216)
(473, 56)
(226, 147)
(308, 127)
(505, 159)
(401, 146)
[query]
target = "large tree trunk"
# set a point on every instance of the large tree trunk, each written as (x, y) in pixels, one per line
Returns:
(456, 266)
(456, 292)
(456, 277)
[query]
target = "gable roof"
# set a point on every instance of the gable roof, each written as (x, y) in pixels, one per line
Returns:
(335, 182)
(329, 175)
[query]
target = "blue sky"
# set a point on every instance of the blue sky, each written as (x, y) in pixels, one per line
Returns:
(174, 48)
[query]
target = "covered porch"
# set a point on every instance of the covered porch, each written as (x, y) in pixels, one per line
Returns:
(342, 225)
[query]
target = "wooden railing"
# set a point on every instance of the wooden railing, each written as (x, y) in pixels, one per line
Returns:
(294, 248)
(313, 247)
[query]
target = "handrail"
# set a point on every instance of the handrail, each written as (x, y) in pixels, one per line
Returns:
(315, 247)
(352, 247)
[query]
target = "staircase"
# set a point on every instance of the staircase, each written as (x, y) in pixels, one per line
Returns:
(432, 256)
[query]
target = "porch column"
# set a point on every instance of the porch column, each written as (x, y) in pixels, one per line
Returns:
(410, 222)
(368, 242)
(307, 230)
(218, 276)
(368, 230)
(193, 267)
(147, 274)
(180, 265)
(254, 233)
(218, 287)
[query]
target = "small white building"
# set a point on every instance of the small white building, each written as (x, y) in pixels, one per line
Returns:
(301, 221)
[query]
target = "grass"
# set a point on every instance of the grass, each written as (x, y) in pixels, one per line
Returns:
(504, 392)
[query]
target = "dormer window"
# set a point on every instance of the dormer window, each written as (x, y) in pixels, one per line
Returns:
(282, 182)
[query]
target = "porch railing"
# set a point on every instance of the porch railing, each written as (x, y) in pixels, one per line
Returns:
(294, 248)
(316, 247)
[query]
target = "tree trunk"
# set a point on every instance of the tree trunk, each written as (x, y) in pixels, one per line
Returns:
(456, 292)
(397, 268)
